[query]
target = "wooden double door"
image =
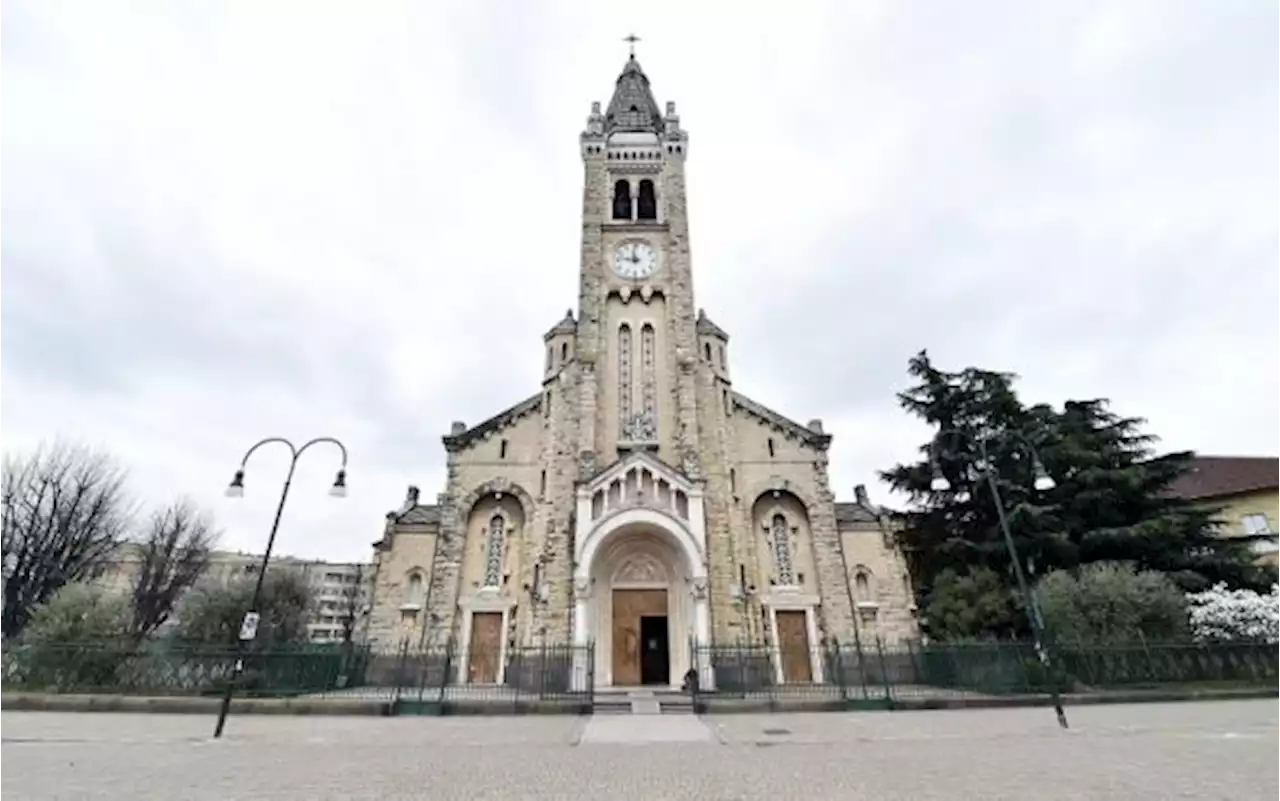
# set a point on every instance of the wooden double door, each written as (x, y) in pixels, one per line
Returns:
(793, 646)
(485, 653)
(641, 638)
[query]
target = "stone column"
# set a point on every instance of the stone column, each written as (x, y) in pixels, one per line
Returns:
(582, 645)
(702, 633)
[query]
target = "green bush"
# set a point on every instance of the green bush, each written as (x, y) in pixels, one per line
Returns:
(79, 613)
(962, 606)
(211, 615)
(77, 640)
(1106, 602)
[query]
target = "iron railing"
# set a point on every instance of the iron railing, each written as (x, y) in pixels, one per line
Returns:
(128, 668)
(411, 677)
(882, 673)
(517, 677)
(520, 678)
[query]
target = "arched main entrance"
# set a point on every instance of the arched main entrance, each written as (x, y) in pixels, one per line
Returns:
(640, 598)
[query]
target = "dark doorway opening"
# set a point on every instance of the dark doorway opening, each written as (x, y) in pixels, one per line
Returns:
(655, 653)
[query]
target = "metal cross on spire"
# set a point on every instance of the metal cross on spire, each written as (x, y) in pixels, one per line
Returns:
(631, 40)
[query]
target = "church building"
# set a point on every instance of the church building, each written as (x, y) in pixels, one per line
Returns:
(637, 505)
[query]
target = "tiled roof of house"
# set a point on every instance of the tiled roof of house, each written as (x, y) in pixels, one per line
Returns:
(1220, 476)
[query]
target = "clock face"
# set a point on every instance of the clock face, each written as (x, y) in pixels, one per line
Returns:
(635, 260)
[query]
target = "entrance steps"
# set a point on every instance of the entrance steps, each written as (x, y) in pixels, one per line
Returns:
(642, 701)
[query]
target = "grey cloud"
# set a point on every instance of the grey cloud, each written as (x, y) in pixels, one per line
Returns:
(377, 229)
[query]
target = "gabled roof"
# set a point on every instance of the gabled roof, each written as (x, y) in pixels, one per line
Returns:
(419, 514)
(705, 326)
(805, 434)
(1221, 476)
(566, 326)
(501, 420)
(853, 512)
(632, 107)
(621, 466)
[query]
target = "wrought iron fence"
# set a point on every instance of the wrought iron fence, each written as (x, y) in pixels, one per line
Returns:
(514, 677)
(445, 678)
(879, 673)
(547, 674)
(429, 677)
(159, 668)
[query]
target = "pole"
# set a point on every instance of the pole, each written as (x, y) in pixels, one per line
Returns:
(253, 603)
(1033, 608)
(339, 489)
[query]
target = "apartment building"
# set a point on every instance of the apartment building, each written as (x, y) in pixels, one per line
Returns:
(341, 590)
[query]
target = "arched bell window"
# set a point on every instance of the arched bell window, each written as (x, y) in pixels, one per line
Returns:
(647, 202)
(622, 200)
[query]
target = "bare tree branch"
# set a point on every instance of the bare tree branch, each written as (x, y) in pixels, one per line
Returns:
(65, 509)
(173, 555)
(352, 605)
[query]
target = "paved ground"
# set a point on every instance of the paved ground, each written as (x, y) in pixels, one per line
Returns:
(1207, 750)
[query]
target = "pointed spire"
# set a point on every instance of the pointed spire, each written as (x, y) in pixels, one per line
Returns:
(632, 107)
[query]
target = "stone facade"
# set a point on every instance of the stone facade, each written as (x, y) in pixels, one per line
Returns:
(637, 465)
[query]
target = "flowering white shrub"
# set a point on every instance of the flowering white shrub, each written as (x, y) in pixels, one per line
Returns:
(1220, 614)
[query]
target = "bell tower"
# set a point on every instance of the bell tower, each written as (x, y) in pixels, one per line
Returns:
(637, 326)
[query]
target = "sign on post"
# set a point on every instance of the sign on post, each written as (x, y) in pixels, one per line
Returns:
(249, 626)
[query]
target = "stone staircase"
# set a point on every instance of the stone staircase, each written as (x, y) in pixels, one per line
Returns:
(642, 701)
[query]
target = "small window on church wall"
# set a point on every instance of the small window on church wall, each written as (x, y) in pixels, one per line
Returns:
(622, 200)
(706, 350)
(648, 365)
(551, 357)
(862, 586)
(733, 480)
(502, 449)
(770, 444)
(413, 592)
(493, 551)
(720, 352)
(542, 484)
(781, 534)
(624, 374)
(564, 351)
(646, 203)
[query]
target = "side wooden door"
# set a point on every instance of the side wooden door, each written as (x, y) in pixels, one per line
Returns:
(486, 647)
(793, 645)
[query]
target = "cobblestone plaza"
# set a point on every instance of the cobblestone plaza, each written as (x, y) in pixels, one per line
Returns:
(1207, 750)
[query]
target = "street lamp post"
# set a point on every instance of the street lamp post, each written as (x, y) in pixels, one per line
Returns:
(1042, 483)
(249, 625)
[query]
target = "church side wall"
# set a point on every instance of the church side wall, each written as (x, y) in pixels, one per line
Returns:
(408, 549)
(470, 469)
(551, 537)
(887, 584)
(801, 468)
(731, 621)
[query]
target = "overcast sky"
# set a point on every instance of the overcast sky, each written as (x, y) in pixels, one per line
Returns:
(223, 221)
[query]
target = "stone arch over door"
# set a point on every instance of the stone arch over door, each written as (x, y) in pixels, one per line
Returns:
(496, 486)
(782, 520)
(791, 542)
(639, 552)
